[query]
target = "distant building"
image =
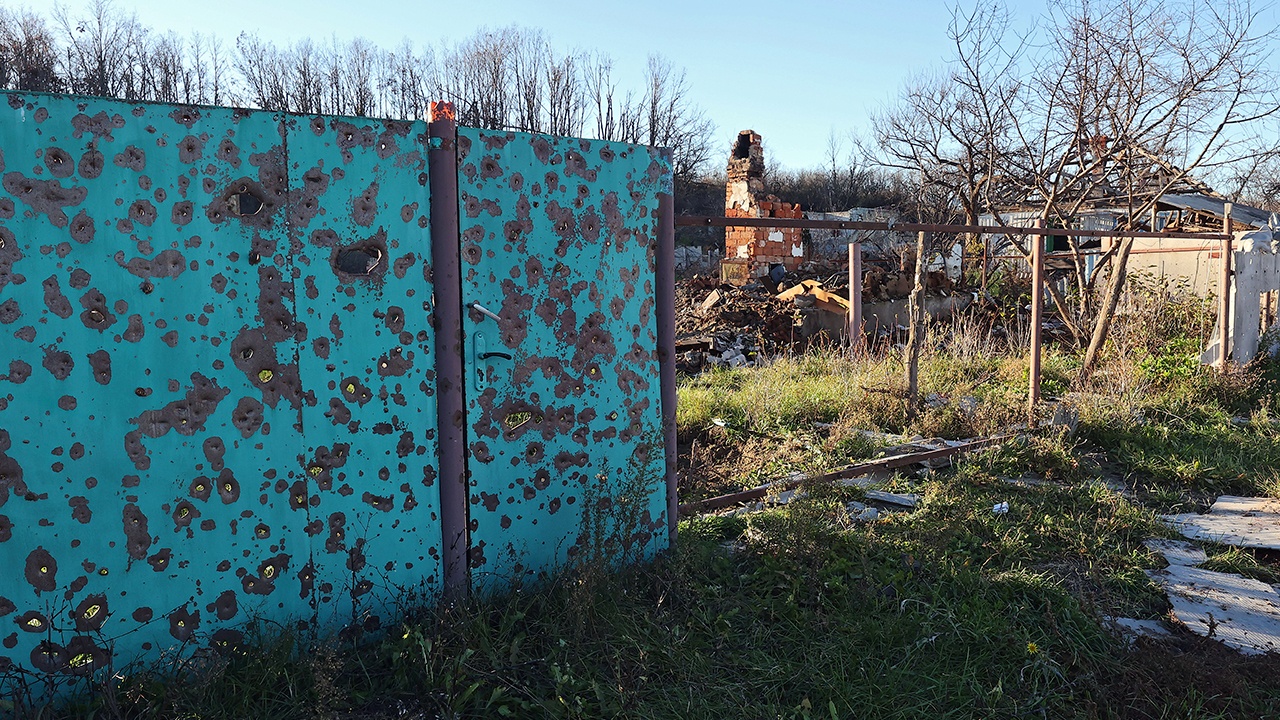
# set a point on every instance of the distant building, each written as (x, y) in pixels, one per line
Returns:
(744, 197)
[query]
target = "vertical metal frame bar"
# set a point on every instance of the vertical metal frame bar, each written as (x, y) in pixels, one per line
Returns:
(857, 339)
(1224, 302)
(665, 271)
(442, 167)
(1037, 317)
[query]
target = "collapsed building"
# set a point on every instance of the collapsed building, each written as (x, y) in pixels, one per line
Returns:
(750, 251)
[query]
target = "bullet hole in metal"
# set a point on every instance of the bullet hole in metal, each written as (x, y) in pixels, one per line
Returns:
(254, 257)
(147, 287)
(246, 353)
(265, 376)
(96, 316)
(244, 202)
(142, 392)
(612, 416)
(358, 261)
(516, 419)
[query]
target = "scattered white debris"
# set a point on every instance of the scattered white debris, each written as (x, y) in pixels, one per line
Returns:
(1241, 613)
(1000, 508)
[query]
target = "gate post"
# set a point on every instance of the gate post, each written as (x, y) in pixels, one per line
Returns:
(665, 271)
(1037, 319)
(446, 273)
(1224, 302)
(857, 340)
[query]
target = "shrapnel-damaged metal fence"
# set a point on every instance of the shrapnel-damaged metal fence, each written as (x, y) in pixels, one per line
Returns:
(309, 369)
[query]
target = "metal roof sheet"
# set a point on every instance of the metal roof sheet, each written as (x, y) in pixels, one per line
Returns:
(1246, 214)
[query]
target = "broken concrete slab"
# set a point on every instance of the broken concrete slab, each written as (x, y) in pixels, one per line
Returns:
(1132, 628)
(712, 300)
(1176, 552)
(1240, 521)
(1241, 613)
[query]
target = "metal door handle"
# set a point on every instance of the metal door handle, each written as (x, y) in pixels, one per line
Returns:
(488, 355)
(485, 311)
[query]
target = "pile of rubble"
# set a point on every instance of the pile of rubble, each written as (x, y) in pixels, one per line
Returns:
(721, 325)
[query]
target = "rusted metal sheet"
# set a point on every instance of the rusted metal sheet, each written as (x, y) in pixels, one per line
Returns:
(205, 415)
(564, 411)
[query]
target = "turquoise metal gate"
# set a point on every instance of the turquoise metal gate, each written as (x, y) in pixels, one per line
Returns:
(223, 395)
(564, 411)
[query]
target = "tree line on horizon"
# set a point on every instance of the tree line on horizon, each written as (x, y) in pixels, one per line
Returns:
(509, 78)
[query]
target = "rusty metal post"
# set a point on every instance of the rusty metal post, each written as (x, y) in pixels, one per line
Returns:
(1037, 317)
(666, 310)
(1224, 302)
(446, 273)
(857, 339)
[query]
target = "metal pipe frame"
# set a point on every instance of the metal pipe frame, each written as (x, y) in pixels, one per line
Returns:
(665, 269)
(716, 221)
(446, 273)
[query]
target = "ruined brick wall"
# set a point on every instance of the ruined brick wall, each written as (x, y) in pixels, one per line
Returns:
(745, 198)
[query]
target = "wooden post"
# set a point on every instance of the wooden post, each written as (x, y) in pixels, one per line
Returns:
(1037, 316)
(986, 252)
(1224, 302)
(857, 339)
(916, 336)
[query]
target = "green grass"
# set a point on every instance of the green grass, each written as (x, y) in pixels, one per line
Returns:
(945, 611)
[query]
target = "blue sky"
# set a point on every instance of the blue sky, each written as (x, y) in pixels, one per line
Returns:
(794, 71)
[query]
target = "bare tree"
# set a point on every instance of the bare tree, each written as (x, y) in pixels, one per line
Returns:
(361, 69)
(1117, 101)
(531, 50)
(954, 129)
(1135, 96)
(566, 96)
(673, 121)
(511, 77)
(265, 71)
(28, 53)
(306, 91)
(104, 51)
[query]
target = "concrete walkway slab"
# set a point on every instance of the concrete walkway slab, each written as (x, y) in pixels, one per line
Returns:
(1240, 521)
(1241, 613)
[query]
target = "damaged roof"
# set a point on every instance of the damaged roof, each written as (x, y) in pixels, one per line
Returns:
(1246, 214)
